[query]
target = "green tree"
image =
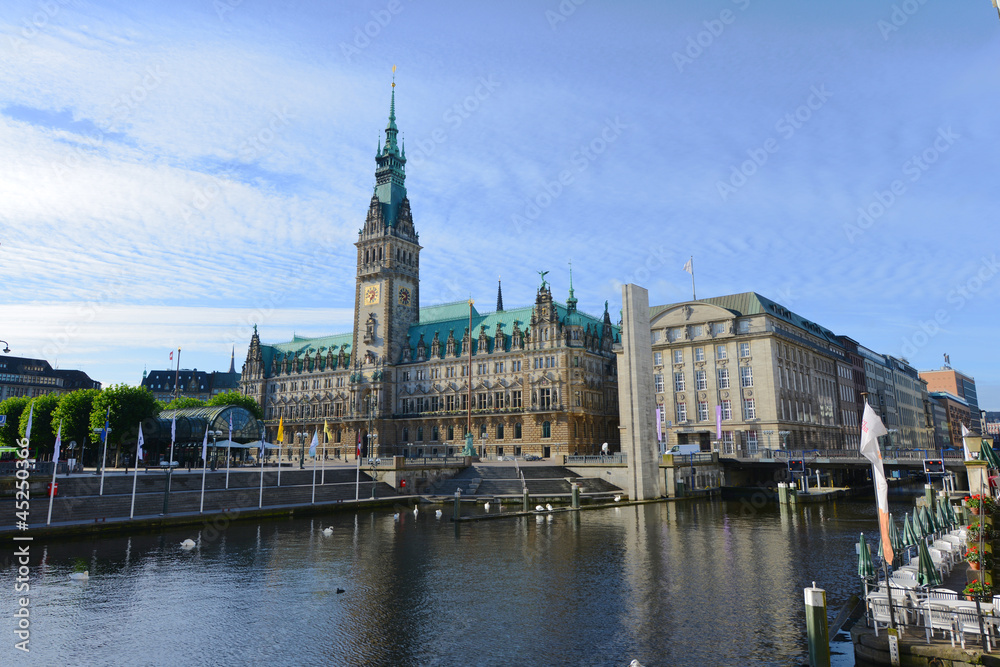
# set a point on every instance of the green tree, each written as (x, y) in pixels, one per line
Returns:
(74, 412)
(43, 437)
(129, 406)
(236, 398)
(13, 408)
(182, 402)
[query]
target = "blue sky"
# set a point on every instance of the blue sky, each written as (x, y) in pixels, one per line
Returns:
(174, 172)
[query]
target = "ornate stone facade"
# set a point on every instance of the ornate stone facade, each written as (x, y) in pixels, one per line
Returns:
(539, 379)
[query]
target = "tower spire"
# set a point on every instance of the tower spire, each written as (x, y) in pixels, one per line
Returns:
(232, 361)
(499, 296)
(571, 301)
(390, 172)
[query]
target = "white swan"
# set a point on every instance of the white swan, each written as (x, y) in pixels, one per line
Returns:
(539, 508)
(634, 663)
(188, 544)
(327, 532)
(487, 506)
(548, 506)
(618, 500)
(415, 510)
(80, 576)
(438, 514)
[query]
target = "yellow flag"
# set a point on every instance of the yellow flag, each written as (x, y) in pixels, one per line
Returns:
(281, 430)
(327, 431)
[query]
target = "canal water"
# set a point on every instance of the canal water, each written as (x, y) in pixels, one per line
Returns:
(689, 583)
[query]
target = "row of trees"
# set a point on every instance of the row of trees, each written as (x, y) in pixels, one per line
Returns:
(84, 411)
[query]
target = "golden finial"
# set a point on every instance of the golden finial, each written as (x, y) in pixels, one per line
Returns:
(393, 76)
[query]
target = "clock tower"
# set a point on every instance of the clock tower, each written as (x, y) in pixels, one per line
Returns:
(387, 292)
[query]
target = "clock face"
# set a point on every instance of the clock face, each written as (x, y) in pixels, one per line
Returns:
(404, 296)
(371, 295)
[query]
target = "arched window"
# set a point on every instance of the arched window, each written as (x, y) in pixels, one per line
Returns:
(517, 430)
(546, 429)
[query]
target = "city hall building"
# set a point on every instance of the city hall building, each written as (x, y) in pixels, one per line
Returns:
(409, 379)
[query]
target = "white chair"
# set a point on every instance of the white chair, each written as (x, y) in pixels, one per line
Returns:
(966, 621)
(948, 548)
(955, 541)
(938, 617)
(878, 606)
(942, 561)
(942, 594)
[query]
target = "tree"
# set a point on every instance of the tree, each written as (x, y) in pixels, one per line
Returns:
(129, 406)
(74, 412)
(43, 437)
(13, 408)
(236, 398)
(182, 402)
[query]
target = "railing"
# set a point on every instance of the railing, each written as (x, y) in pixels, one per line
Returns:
(597, 460)
(433, 461)
(849, 455)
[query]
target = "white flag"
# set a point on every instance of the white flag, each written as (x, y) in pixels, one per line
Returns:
(965, 447)
(312, 445)
(204, 448)
(138, 448)
(689, 267)
(173, 429)
(31, 413)
(230, 426)
(871, 428)
(55, 452)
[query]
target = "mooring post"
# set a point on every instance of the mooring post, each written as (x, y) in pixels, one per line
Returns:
(817, 630)
(576, 495)
(458, 503)
(527, 501)
(782, 493)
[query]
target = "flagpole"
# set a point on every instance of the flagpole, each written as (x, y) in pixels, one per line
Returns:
(694, 295)
(204, 469)
(55, 466)
(260, 500)
(135, 474)
(104, 455)
(170, 465)
(313, 501)
(279, 462)
(357, 483)
(322, 479)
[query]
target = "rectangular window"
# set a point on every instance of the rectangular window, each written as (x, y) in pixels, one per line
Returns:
(699, 354)
(743, 326)
(480, 401)
(675, 334)
(682, 413)
(545, 398)
(720, 352)
(701, 379)
(695, 330)
(723, 378)
(727, 409)
(515, 399)
(498, 367)
(449, 402)
(481, 369)
(678, 381)
(451, 432)
(657, 358)
(499, 431)
(658, 383)
(515, 366)
(678, 356)
(434, 433)
(749, 409)
(654, 335)
(702, 411)
(744, 350)
(746, 376)
(717, 328)
(498, 400)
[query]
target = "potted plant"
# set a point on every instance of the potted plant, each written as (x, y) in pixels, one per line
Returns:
(978, 561)
(980, 503)
(975, 529)
(977, 588)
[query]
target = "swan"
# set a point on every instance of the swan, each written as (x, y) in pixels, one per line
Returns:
(438, 514)
(80, 576)
(395, 517)
(539, 508)
(415, 510)
(327, 532)
(548, 506)
(188, 544)
(635, 663)
(487, 506)
(618, 500)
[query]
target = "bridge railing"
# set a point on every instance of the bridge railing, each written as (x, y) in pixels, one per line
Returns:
(597, 460)
(893, 454)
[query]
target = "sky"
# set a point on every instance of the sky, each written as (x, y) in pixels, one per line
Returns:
(172, 173)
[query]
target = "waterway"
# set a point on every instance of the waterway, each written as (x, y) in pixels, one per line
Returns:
(689, 583)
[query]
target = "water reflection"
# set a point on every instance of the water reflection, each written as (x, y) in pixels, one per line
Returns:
(670, 584)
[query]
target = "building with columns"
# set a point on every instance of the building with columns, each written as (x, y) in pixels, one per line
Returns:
(411, 379)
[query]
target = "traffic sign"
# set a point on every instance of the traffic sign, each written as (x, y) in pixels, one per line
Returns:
(3, 419)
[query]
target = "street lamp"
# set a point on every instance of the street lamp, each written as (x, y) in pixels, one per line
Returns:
(6, 346)
(302, 449)
(215, 436)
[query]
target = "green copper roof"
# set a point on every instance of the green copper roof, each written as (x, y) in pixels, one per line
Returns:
(299, 345)
(447, 311)
(390, 173)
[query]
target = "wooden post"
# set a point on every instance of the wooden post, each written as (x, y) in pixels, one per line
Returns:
(817, 630)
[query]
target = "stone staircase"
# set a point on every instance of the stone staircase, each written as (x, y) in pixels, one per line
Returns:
(504, 481)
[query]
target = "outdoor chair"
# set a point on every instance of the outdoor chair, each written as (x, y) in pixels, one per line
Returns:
(879, 607)
(967, 621)
(952, 550)
(939, 617)
(942, 594)
(956, 542)
(941, 561)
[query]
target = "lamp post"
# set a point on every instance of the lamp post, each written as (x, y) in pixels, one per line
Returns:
(784, 438)
(302, 449)
(768, 433)
(6, 346)
(215, 436)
